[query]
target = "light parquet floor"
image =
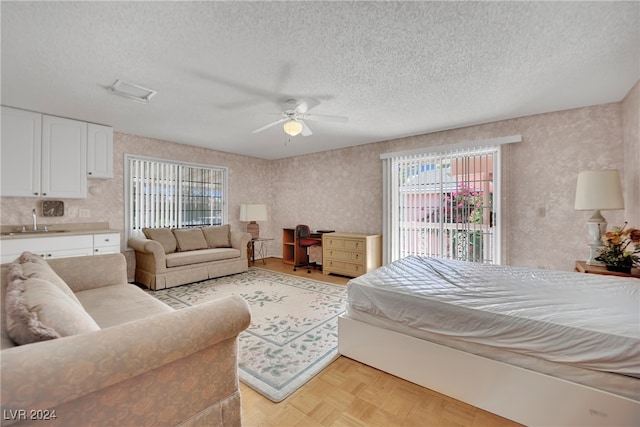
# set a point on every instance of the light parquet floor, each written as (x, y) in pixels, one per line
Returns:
(349, 393)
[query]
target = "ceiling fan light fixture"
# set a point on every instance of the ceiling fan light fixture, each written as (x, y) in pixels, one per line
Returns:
(292, 127)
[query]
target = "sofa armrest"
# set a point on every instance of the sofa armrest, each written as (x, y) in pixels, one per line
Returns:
(139, 369)
(89, 272)
(149, 254)
(240, 240)
(140, 244)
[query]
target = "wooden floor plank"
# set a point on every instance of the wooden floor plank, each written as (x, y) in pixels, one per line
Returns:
(349, 393)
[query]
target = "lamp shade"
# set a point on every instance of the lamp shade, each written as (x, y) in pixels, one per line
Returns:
(253, 212)
(292, 127)
(599, 190)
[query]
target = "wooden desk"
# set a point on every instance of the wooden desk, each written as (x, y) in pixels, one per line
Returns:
(583, 267)
(293, 254)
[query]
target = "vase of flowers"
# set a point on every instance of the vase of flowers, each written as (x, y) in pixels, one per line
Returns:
(621, 249)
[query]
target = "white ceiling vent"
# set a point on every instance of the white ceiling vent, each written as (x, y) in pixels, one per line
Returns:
(131, 91)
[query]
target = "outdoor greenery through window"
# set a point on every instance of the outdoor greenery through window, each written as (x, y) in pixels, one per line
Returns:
(443, 202)
(162, 193)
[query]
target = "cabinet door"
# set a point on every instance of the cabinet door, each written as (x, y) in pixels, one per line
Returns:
(64, 157)
(47, 247)
(20, 151)
(99, 151)
(107, 243)
(67, 253)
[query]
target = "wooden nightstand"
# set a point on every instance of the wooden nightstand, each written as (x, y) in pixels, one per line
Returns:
(583, 267)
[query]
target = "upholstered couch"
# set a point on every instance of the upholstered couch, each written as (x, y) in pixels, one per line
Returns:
(97, 351)
(172, 257)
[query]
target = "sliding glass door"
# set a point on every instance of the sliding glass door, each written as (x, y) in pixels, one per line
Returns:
(443, 204)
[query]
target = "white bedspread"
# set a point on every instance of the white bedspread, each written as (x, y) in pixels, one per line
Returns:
(584, 320)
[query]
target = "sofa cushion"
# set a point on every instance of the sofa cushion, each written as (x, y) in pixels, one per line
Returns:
(117, 304)
(218, 236)
(164, 236)
(206, 255)
(37, 310)
(34, 266)
(190, 239)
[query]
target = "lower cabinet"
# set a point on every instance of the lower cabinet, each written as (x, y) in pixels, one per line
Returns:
(60, 246)
(106, 243)
(351, 254)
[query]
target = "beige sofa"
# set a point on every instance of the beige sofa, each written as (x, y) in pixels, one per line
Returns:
(172, 257)
(112, 354)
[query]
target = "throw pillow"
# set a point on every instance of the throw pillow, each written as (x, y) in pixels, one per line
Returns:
(38, 310)
(218, 236)
(164, 236)
(34, 266)
(190, 239)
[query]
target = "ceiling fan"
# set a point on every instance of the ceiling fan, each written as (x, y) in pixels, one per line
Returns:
(293, 119)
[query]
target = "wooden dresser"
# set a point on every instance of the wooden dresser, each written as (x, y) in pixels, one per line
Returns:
(351, 254)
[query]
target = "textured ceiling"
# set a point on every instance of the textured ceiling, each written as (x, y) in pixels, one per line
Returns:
(223, 69)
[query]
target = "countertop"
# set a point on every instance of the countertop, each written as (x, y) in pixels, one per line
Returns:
(10, 232)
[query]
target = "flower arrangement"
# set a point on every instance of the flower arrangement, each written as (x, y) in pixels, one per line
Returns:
(464, 205)
(621, 247)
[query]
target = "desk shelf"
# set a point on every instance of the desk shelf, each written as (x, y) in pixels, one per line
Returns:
(293, 254)
(289, 246)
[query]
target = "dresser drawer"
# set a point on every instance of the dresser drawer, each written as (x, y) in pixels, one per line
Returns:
(333, 243)
(333, 264)
(346, 268)
(357, 257)
(354, 245)
(337, 255)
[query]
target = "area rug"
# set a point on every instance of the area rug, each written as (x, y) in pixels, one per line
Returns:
(294, 325)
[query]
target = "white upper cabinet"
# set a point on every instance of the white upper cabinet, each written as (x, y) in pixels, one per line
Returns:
(64, 158)
(99, 151)
(47, 156)
(21, 153)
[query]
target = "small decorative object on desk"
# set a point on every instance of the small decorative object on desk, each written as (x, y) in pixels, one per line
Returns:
(621, 249)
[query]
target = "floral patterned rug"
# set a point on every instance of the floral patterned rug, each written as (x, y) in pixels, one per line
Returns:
(294, 325)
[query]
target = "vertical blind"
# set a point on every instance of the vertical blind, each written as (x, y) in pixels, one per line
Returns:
(443, 202)
(169, 194)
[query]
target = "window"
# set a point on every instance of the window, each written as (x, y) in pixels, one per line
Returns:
(443, 202)
(162, 193)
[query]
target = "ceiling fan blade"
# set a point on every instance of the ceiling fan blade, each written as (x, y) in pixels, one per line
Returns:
(306, 105)
(302, 108)
(305, 129)
(338, 119)
(265, 127)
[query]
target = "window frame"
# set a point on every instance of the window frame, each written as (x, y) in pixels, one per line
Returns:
(391, 186)
(128, 199)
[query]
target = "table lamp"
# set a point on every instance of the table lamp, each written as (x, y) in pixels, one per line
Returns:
(253, 213)
(596, 191)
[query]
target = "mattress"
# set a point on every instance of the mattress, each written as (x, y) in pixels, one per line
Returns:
(580, 320)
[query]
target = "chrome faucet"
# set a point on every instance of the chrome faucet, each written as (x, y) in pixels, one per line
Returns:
(35, 218)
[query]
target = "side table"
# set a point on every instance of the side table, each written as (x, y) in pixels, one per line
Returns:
(259, 245)
(583, 267)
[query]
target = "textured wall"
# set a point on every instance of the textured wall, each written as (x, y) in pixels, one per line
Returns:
(249, 181)
(342, 189)
(631, 137)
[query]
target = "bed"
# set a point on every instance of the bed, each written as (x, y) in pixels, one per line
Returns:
(539, 347)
